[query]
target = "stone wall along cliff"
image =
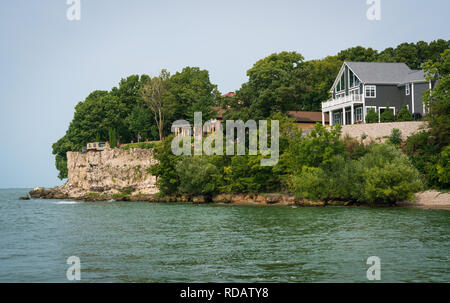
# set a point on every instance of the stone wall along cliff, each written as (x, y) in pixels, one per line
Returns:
(110, 171)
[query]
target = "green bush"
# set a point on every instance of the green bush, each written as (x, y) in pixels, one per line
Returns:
(318, 147)
(168, 180)
(443, 167)
(396, 137)
(424, 153)
(387, 116)
(404, 115)
(383, 175)
(197, 176)
(372, 116)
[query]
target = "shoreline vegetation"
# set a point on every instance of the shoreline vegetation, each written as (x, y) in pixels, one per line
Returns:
(430, 199)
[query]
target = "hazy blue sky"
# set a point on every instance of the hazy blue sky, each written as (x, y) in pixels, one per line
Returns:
(48, 64)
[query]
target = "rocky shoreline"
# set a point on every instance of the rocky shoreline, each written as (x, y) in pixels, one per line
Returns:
(424, 200)
(236, 199)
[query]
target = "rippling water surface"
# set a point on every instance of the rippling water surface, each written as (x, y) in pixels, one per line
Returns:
(145, 242)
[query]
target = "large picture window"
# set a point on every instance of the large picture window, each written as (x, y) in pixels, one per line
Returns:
(353, 80)
(371, 91)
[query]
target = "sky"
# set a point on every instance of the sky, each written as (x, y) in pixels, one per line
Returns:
(48, 63)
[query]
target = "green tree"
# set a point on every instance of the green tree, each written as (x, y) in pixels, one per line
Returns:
(275, 84)
(358, 54)
(437, 101)
(156, 96)
(112, 138)
(193, 91)
(387, 115)
(396, 137)
(165, 170)
(404, 115)
(372, 116)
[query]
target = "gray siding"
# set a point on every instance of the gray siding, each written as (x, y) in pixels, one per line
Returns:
(395, 96)
(419, 90)
(386, 95)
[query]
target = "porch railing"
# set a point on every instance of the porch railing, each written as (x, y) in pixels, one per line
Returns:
(342, 100)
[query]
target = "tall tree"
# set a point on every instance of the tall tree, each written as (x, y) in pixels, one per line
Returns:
(154, 92)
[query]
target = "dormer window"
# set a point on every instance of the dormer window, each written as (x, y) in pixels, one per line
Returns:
(408, 89)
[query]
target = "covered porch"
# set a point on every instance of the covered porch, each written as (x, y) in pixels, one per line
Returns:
(344, 111)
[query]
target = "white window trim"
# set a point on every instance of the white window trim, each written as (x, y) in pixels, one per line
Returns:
(408, 89)
(375, 91)
(384, 107)
(355, 113)
(369, 107)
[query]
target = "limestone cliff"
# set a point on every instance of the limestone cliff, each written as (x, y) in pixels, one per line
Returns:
(109, 171)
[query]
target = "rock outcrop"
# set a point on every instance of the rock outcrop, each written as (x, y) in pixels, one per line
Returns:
(109, 172)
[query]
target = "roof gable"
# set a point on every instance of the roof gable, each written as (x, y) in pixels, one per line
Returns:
(389, 73)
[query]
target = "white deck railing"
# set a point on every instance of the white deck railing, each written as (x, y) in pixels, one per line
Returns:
(342, 100)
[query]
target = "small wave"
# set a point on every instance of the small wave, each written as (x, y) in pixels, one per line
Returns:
(66, 202)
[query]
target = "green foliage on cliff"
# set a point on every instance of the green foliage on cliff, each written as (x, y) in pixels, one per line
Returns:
(197, 176)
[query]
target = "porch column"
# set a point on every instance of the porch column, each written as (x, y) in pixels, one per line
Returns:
(364, 113)
(330, 116)
(343, 116)
(323, 118)
(353, 114)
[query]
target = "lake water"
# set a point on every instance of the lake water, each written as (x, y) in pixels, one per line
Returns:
(147, 242)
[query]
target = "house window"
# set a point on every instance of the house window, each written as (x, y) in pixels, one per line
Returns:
(371, 91)
(354, 81)
(358, 114)
(408, 89)
(337, 118)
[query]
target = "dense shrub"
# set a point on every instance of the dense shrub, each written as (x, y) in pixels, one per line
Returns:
(387, 116)
(168, 180)
(318, 147)
(395, 137)
(384, 175)
(443, 167)
(197, 176)
(424, 154)
(404, 115)
(372, 116)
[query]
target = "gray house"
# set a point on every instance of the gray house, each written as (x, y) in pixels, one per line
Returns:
(360, 86)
